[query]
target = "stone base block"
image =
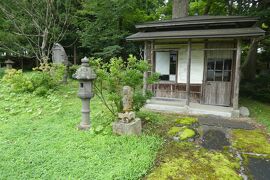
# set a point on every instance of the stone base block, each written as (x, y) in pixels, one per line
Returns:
(132, 128)
(235, 114)
(83, 127)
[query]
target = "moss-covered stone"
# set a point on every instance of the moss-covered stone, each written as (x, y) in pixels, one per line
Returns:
(186, 134)
(186, 121)
(190, 163)
(254, 141)
(174, 131)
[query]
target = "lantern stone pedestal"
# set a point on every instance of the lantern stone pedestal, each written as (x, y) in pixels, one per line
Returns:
(132, 128)
(86, 76)
(127, 123)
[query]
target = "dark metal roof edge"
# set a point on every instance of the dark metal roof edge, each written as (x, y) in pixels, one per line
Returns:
(198, 36)
(194, 21)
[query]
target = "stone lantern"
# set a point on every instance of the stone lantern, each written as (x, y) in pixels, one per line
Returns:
(86, 76)
(9, 64)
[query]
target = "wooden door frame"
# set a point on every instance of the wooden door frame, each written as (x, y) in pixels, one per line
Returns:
(203, 101)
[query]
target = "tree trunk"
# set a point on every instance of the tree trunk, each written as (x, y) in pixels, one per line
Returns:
(180, 8)
(44, 44)
(75, 54)
(249, 66)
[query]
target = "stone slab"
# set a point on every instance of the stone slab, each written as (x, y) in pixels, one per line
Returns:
(132, 128)
(225, 123)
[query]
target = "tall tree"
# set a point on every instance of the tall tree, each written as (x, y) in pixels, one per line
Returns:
(180, 8)
(37, 23)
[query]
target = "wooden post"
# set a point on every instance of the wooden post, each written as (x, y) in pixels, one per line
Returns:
(188, 73)
(145, 73)
(237, 76)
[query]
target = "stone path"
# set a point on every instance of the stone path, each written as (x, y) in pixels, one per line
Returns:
(224, 123)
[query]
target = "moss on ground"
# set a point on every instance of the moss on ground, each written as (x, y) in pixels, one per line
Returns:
(174, 131)
(186, 161)
(253, 141)
(186, 134)
(186, 121)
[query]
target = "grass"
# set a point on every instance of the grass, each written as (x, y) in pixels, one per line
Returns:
(39, 140)
(260, 111)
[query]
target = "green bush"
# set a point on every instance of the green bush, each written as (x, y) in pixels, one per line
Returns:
(39, 82)
(17, 81)
(2, 72)
(258, 89)
(113, 75)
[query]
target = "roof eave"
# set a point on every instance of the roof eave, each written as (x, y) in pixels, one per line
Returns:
(247, 35)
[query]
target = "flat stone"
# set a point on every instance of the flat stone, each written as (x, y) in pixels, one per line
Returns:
(131, 128)
(215, 140)
(244, 112)
(259, 168)
(225, 123)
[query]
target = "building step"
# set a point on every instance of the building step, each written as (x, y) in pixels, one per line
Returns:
(167, 101)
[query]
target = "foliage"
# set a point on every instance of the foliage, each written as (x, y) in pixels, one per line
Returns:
(34, 25)
(39, 140)
(253, 141)
(258, 89)
(185, 161)
(150, 116)
(260, 111)
(104, 25)
(2, 72)
(17, 81)
(186, 121)
(39, 82)
(112, 76)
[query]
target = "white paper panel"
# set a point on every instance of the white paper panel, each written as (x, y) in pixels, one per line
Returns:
(163, 63)
(197, 63)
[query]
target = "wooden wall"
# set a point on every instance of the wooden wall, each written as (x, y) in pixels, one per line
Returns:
(176, 90)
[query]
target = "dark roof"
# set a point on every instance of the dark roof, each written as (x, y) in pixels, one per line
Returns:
(206, 33)
(198, 20)
(198, 27)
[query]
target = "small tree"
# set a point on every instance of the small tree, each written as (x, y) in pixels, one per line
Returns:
(112, 76)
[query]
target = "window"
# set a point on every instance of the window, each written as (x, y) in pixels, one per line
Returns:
(166, 65)
(219, 69)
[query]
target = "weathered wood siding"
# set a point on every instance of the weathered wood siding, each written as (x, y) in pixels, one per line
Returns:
(176, 90)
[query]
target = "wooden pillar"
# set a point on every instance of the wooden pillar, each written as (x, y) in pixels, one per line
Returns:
(237, 76)
(145, 73)
(188, 73)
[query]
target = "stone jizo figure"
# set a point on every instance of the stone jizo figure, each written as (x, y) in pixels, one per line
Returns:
(127, 123)
(127, 98)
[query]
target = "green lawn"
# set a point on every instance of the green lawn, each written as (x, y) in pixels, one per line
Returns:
(260, 111)
(39, 139)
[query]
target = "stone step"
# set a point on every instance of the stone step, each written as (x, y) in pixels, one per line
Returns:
(167, 101)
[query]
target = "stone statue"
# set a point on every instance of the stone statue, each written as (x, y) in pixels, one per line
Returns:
(127, 99)
(127, 123)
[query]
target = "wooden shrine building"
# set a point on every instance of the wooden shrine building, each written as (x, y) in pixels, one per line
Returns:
(197, 57)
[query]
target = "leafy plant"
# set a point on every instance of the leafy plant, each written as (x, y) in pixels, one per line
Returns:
(17, 81)
(112, 76)
(2, 72)
(45, 77)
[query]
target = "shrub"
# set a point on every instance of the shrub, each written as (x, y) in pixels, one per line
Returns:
(258, 89)
(112, 76)
(17, 81)
(2, 72)
(45, 77)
